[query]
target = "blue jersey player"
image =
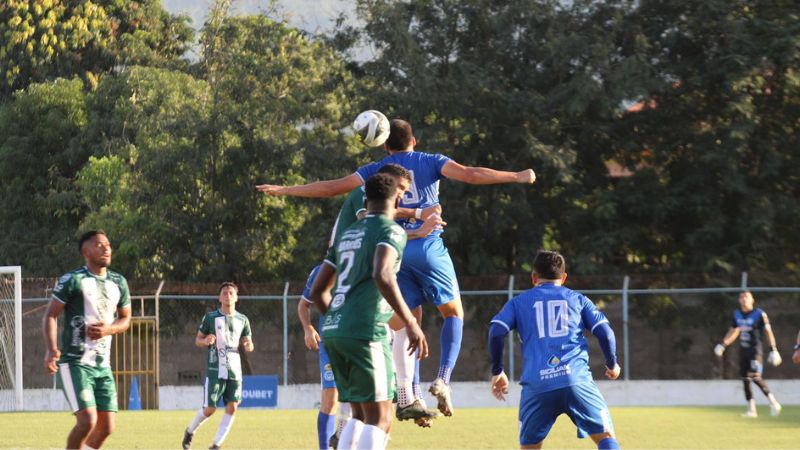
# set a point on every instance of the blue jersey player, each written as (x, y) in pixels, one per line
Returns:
(748, 323)
(556, 379)
(426, 273)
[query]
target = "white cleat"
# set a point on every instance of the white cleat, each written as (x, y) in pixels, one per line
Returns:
(775, 410)
(442, 392)
(750, 414)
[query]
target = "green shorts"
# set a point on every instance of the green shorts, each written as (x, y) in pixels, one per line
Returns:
(216, 388)
(363, 369)
(86, 387)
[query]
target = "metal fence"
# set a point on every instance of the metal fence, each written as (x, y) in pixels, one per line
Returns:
(662, 333)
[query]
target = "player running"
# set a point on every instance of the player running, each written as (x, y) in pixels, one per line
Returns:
(222, 331)
(363, 263)
(555, 378)
(748, 324)
(89, 297)
(427, 272)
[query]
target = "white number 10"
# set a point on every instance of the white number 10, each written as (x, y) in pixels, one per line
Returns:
(557, 318)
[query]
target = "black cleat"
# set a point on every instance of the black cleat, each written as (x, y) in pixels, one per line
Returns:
(334, 442)
(415, 411)
(187, 440)
(213, 447)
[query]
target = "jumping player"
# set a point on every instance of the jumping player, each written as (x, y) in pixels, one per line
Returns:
(748, 324)
(366, 258)
(427, 272)
(555, 378)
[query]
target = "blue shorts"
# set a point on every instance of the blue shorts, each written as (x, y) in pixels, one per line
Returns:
(427, 273)
(325, 370)
(583, 403)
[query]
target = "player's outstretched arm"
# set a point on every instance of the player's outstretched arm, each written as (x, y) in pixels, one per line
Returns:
(728, 339)
(320, 290)
(310, 334)
(484, 175)
(318, 189)
(49, 331)
(385, 279)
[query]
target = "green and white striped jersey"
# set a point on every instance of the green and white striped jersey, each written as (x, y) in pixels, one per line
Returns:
(89, 299)
(223, 357)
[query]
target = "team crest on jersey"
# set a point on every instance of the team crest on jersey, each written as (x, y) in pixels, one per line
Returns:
(77, 322)
(397, 234)
(553, 361)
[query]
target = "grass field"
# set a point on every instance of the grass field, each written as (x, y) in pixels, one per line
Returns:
(470, 428)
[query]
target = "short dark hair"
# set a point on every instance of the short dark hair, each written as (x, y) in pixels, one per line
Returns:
(549, 265)
(395, 170)
(228, 284)
(88, 235)
(400, 135)
(380, 187)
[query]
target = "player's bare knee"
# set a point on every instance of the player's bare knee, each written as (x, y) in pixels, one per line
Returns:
(453, 308)
(231, 407)
(208, 411)
(86, 419)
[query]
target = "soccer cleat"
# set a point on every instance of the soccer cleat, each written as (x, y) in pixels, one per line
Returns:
(750, 414)
(213, 447)
(442, 392)
(415, 411)
(187, 440)
(775, 410)
(334, 441)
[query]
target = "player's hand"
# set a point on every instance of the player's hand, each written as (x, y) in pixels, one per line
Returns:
(312, 338)
(248, 345)
(500, 386)
(796, 357)
(416, 341)
(719, 349)
(433, 222)
(211, 340)
(613, 374)
(270, 189)
(51, 361)
(433, 209)
(774, 358)
(527, 176)
(98, 330)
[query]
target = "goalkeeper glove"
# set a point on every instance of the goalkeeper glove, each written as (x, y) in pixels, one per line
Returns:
(774, 358)
(719, 349)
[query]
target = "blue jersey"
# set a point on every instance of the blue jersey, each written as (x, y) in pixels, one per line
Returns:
(750, 325)
(550, 320)
(307, 290)
(426, 171)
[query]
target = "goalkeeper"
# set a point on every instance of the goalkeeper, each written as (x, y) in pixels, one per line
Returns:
(748, 324)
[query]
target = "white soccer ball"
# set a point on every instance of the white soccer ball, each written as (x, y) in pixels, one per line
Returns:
(373, 127)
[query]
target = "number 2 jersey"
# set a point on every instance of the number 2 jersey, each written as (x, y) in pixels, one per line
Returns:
(224, 361)
(358, 310)
(550, 321)
(89, 299)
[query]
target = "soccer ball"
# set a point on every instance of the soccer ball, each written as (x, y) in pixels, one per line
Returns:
(373, 127)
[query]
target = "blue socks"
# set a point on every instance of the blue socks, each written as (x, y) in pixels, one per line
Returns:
(326, 425)
(452, 332)
(608, 444)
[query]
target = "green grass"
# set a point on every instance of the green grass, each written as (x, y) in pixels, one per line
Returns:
(470, 428)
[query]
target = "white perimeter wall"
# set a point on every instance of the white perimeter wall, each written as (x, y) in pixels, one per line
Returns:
(477, 395)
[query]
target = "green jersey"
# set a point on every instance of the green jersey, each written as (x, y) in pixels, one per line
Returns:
(348, 215)
(358, 310)
(223, 357)
(89, 299)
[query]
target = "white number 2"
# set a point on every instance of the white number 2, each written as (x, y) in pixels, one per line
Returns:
(557, 318)
(347, 259)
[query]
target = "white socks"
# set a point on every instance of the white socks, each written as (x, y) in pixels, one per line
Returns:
(772, 400)
(345, 413)
(224, 428)
(198, 420)
(404, 368)
(751, 405)
(372, 438)
(350, 434)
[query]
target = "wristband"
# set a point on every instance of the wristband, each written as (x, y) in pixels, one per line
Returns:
(418, 213)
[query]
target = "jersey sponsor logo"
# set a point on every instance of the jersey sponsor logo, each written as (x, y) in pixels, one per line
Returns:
(349, 245)
(554, 370)
(331, 322)
(397, 235)
(338, 301)
(553, 361)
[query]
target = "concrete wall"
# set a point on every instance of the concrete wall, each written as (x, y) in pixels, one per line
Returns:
(477, 395)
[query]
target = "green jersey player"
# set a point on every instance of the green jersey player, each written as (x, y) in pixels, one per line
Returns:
(89, 297)
(221, 331)
(355, 329)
